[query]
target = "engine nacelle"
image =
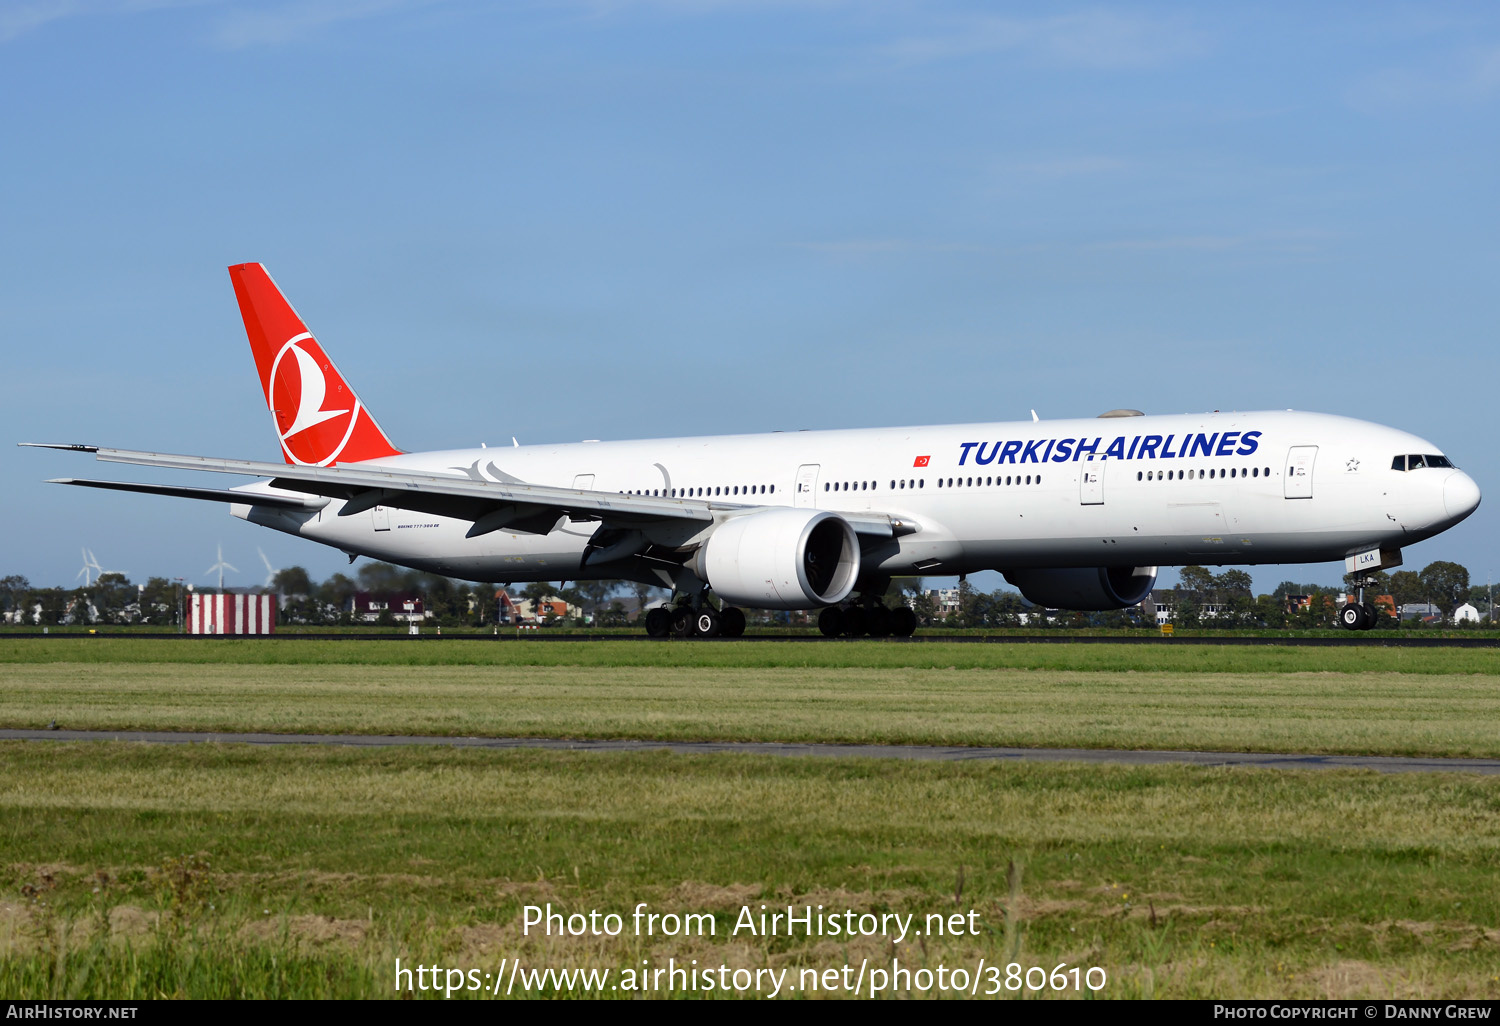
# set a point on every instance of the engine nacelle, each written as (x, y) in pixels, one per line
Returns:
(787, 558)
(1102, 587)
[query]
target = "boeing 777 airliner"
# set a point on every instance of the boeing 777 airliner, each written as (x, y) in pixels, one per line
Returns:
(1077, 514)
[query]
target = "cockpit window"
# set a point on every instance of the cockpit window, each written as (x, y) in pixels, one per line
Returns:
(1420, 461)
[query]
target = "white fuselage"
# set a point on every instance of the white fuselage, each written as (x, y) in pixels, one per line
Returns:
(1219, 488)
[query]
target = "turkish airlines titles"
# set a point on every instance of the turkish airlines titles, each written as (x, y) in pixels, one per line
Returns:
(1063, 450)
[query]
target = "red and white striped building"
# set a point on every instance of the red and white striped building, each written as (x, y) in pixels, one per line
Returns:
(232, 614)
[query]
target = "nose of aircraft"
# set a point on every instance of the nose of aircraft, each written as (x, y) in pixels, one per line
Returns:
(1460, 495)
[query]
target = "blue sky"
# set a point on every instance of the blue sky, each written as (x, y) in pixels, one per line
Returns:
(621, 219)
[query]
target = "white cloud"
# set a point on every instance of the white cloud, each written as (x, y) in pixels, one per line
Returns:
(1065, 167)
(292, 22)
(265, 25)
(1098, 38)
(19, 18)
(857, 248)
(1469, 77)
(1290, 241)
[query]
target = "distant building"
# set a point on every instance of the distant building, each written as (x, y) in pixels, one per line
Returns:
(549, 608)
(505, 611)
(369, 605)
(1466, 613)
(945, 602)
(1424, 611)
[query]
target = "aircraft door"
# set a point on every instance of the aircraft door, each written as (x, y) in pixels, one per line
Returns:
(382, 517)
(1091, 485)
(807, 485)
(584, 482)
(1299, 471)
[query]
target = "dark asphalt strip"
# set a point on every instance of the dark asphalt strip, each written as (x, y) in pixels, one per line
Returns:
(941, 753)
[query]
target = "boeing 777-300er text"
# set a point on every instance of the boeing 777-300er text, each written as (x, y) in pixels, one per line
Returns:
(1077, 514)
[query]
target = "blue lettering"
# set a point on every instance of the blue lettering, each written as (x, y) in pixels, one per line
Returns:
(1064, 450)
(1133, 443)
(966, 446)
(1149, 445)
(981, 458)
(1248, 443)
(1029, 456)
(1048, 452)
(1116, 449)
(1090, 449)
(1201, 445)
(1166, 449)
(1226, 444)
(1008, 454)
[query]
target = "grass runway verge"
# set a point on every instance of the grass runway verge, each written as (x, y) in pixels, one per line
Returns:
(225, 870)
(228, 870)
(1390, 702)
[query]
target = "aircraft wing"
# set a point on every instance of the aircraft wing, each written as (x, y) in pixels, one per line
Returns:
(490, 505)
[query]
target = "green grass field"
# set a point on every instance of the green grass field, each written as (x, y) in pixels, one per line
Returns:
(1365, 701)
(226, 870)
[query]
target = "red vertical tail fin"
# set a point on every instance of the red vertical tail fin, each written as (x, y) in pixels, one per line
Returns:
(319, 419)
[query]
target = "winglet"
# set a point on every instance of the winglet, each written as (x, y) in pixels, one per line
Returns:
(319, 420)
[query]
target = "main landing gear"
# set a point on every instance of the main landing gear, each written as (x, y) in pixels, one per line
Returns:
(687, 622)
(1360, 615)
(875, 620)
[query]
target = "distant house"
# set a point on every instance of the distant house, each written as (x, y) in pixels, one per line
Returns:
(1466, 613)
(1161, 605)
(945, 602)
(549, 608)
(369, 605)
(1425, 611)
(506, 611)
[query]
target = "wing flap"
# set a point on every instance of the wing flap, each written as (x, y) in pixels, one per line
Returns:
(210, 494)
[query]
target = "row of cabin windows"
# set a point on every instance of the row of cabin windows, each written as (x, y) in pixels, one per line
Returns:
(870, 486)
(704, 492)
(987, 482)
(1212, 472)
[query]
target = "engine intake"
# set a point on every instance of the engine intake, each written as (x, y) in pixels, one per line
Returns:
(781, 559)
(1102, 587)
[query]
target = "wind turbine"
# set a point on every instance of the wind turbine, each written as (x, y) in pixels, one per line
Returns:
(270, 570)
(90, 566)
(99, 570)
(221, 566)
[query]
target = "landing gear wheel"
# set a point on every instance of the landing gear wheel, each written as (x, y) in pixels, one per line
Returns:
(855, 622)
(878, 621)
(707, 623)
(903, 622)
(658, 622)
(682, 622)
(731, 622)
(1372, 617)
(831, 622)
(1352, 617)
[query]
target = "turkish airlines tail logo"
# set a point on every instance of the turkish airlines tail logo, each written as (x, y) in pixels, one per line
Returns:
(319, 419)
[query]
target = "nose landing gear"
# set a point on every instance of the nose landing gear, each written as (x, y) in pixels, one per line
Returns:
(1360, 615)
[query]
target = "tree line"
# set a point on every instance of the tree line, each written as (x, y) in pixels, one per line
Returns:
(114, 599)
(1200, 598)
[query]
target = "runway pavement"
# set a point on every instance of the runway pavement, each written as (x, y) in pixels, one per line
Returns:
(1357, 639)
(955, 753)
